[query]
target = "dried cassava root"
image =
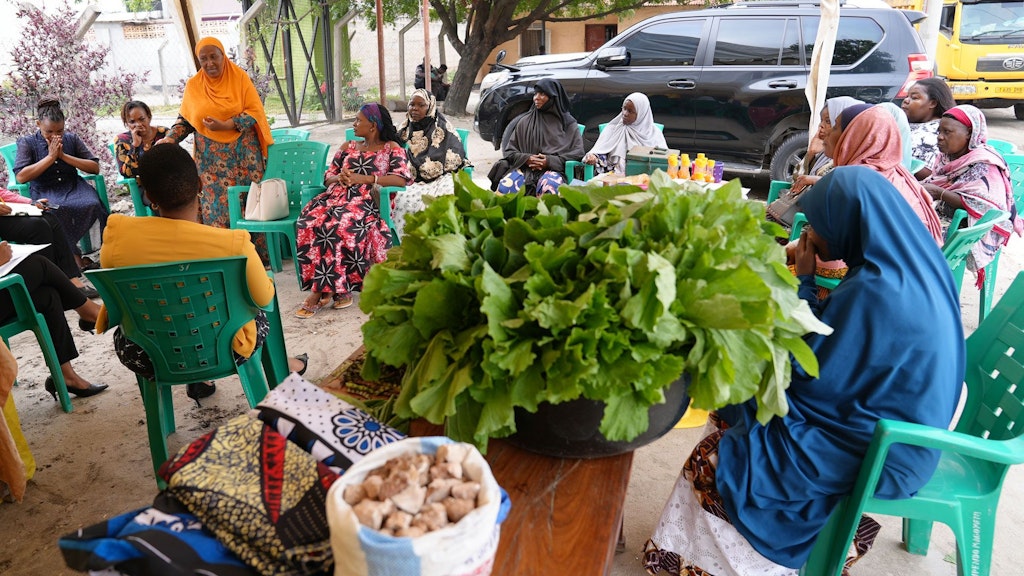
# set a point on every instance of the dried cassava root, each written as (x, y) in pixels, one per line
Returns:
(413, 494)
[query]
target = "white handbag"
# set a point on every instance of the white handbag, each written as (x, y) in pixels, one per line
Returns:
(267, 200)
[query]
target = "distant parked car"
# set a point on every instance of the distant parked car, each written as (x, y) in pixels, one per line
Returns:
(727, 81)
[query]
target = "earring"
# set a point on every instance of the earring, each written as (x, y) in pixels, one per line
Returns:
(153, 206)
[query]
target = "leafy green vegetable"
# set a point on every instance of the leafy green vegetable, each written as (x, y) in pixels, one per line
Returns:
(496, 302)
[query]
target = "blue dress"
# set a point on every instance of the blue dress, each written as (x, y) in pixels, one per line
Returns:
(61, 184)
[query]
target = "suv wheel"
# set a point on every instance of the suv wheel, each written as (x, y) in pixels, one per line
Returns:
(1018, 111)
(788, 156)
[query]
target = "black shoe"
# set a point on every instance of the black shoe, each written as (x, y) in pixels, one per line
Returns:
(92, 390)
(304, 358)
(199, 390)
(90, 265)
(89, 292)
(86, 326)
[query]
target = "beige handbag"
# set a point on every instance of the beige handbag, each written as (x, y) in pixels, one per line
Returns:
(267, 200)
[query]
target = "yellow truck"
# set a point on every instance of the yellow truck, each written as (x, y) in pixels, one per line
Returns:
(980, 51)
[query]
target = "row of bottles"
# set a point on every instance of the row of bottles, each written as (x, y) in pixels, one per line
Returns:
(702, 169)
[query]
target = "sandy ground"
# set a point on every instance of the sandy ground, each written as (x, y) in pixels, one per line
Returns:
(94, 463)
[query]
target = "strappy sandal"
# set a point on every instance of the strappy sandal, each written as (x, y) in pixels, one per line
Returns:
(342, 301)
(306, 311)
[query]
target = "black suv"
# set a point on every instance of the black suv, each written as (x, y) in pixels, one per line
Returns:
(728, 81)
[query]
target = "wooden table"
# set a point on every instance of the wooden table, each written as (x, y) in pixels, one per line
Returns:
(566, 514)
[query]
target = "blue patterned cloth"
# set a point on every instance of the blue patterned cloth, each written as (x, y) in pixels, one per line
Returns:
(332, 430)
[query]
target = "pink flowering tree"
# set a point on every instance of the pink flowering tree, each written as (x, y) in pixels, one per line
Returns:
(49, 60)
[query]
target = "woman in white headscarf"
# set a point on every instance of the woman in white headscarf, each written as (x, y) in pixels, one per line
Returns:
(634, 126)
(817, 163)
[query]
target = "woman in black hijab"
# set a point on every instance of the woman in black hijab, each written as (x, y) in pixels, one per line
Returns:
(544, 138)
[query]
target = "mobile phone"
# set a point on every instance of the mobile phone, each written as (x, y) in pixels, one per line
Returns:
(49, 206)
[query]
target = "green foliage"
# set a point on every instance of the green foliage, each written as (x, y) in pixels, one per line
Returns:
(495, 302)
(138, 5)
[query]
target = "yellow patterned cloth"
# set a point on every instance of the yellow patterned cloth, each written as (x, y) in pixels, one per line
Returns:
(262, 496)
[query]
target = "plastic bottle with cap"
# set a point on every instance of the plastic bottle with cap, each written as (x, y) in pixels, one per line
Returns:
(673, 166)
(709, 171)
(699, 166)
(684, 166)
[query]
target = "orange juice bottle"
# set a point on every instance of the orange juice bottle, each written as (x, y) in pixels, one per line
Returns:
(673, 166)
(699, 166)
(684, 167)
(709, 171)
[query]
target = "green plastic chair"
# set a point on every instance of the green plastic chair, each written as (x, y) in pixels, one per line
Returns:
(1002, 146)
(184, 315)
(350, 134)
(300, 164)
(9, 152)
(387, 192)
(916, 165)
(28, 319)
(281, 135)
(133, 189)
(964, 491)
(1015, 163)
(959, 242)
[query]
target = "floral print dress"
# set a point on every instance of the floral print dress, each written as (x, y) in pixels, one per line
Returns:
(340, 232)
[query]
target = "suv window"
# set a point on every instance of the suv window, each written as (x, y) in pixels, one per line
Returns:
(665, 44)
(757, 42)
(855, 38)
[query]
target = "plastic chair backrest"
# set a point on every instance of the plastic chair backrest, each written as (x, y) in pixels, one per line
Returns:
(350, 134)
(184, 315)
(916, 165)
(960, 241)
(9, 152)
(775, 188)
(133, 188)
(299, 164)
(281, 135)
(1002, 146)
(1015, 163)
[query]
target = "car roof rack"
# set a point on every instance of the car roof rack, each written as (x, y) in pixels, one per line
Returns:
(777, 3)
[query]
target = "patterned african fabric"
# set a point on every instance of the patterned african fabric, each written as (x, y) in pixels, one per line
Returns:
(695, 537)
(237, 163)
(924, 141)
(61, 185)
(261, 495)
(340, 232)
(547, 183)
(410, 200)
(330, 429)
(127, 156)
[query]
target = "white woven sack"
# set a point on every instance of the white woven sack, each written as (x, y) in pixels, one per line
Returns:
(267, 200)
(465, 548)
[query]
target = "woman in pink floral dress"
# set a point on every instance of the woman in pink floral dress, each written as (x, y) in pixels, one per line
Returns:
(340, 232)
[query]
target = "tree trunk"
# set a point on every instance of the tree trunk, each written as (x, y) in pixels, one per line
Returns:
(470, 61)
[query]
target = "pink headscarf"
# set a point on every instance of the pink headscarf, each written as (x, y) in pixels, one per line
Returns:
(873, 139)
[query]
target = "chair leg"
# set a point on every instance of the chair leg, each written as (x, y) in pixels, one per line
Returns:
(917, 535)
(167, 410)
(254, 381)
(152, 400)
(974, 539)
(826, 558)
(50, 357)
(988, 289)
(274, 356)
(273, 250)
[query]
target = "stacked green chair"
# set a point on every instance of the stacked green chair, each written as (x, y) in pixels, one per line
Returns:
(964, 491)
(184, 315)
(28, 319)
(132, 185)
(1002, 146)
(9, 152)
(959, 242)
(281, 135)
(301, 165)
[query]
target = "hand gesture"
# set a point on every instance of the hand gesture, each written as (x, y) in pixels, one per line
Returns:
(55, 148)
(165, 140)
(214, 124)
(5, 209)
(138, 137)
(537, 162)
(590, 159)
(5, 253)
(804, 254)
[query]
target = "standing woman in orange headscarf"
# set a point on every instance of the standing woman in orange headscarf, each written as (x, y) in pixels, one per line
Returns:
(224, 111)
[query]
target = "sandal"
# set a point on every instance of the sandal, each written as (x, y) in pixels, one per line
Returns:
(306, 311)
(342, 301)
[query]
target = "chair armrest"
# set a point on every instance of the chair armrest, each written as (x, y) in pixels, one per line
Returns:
(958, 218)
(570, 170)
(799, 221)
(309, 192)
(101, 187)
(15, 285)
(235, 204)
(889, 432)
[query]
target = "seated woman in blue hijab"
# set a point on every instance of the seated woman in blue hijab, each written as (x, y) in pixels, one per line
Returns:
(752, 498)
(543, 139)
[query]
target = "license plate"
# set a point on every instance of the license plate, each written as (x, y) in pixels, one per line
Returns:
(1011, 90)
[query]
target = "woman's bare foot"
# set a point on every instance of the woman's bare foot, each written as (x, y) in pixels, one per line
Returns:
(312, 304)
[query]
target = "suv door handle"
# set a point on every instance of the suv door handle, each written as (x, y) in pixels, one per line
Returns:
(782, 84)
(683, 84)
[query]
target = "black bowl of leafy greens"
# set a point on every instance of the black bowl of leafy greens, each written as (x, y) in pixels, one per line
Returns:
(496, 304)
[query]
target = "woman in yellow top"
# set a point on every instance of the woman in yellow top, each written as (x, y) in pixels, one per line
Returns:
(224, 111)
(172, 184)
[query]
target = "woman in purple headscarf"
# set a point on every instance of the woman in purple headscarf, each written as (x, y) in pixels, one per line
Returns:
(340, 232)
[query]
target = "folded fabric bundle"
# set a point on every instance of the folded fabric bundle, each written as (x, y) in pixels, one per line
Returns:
(332, 430)
(262, 496)
(161, 540)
